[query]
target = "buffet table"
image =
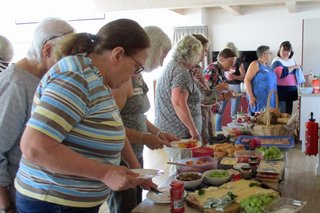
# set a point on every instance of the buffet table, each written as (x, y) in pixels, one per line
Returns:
(149, 206)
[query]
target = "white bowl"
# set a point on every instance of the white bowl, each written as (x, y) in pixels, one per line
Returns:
(306, 90)
(190, 184)
(216, 181)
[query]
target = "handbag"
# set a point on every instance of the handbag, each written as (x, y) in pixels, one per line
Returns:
(299, 76)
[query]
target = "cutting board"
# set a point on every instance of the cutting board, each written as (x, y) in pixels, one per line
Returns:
(233, 208)
(240, 188)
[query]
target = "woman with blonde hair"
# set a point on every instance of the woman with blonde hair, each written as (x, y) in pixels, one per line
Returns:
(178, 98)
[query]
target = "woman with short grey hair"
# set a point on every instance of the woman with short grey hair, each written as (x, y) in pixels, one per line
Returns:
(260, 80)
(6, 53)
(17, 85)
(178, 98)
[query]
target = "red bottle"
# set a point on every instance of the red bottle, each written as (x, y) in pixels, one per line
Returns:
(312, 137)
(177, 196)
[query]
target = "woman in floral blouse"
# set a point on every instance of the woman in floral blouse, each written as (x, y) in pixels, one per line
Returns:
(215, 76)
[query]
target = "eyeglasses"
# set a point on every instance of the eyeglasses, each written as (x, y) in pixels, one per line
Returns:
(140, 68)
(56, 36)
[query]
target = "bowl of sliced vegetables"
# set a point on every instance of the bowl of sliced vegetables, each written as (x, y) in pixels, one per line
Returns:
(217, 177)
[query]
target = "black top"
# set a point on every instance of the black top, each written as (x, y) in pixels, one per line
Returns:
(237, 72)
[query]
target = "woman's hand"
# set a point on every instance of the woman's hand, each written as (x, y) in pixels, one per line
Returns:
(168, 137)
(120, 178)
(148, 184)
(154, 142)
(252, 101)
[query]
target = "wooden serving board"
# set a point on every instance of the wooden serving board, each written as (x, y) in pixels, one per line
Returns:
(233, 208)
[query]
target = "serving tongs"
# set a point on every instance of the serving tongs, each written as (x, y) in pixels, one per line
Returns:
(157, 191)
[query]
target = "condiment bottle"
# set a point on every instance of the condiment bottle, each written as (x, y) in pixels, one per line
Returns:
(177, 196)
(253, 162)
(246, 172)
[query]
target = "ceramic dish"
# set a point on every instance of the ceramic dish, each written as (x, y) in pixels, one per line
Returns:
(148, 173)
(163, 197)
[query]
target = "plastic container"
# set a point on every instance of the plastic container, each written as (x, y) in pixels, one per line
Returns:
(284, 205)
(243, 156)
(282, 147)
(202, 151)
(199, 164)
(305, 90)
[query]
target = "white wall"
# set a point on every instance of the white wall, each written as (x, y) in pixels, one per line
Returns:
(257, 26)
(268, 25)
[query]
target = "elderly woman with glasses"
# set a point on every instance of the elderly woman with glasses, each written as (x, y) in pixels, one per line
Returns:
(75, 137)
(259, 81)
(133, 103)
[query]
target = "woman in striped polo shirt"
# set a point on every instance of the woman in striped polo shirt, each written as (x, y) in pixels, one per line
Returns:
(75, 137)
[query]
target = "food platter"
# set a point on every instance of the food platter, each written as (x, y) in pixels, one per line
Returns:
(147, 173)
(163, 197)
(276, 159)
(186, 144)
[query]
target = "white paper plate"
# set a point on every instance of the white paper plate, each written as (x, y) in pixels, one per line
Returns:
(163, 197)
(148, 173)
(176, 144)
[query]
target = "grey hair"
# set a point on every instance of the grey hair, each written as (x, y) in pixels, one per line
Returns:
(261, 50)
(188, 50)
(6, 50)
(233, 47)
(47, 31)
(159, 43)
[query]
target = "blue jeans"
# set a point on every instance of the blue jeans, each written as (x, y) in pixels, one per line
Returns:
(30, 205)
(235, 101)
(219, 115)
(234, 106)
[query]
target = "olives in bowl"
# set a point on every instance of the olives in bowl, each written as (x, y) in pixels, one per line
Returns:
(190, 179)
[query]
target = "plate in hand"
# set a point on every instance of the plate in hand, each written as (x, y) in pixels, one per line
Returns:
(147, 173)
(163, 197)
(186, 144)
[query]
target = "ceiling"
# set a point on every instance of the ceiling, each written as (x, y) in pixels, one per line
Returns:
(232, 6)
